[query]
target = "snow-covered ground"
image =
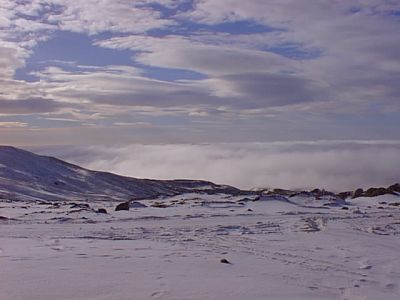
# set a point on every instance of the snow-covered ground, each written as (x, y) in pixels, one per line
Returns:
(278, 249)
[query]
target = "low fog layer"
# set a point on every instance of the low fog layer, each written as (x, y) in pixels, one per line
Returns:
(333, 165)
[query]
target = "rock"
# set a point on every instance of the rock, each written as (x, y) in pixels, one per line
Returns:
(302, 194)
(249, 209)
(282, 192)
(80, 205)
(43, 203)
(225, 261)
(394, 188)
(373, 192)
(136, 204)
(273, 198)
(357, 193)
(159, 205)
(394, 204)
(345, 208)
(318, 193)
(344, 195)
(122, 206)
(101, 211)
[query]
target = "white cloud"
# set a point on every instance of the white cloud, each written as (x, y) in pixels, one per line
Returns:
(13, 124)
(11, 58)
(93, 16)
(133, 124)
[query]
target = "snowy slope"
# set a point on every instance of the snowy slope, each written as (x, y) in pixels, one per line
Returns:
(277, 249)
(25, 175)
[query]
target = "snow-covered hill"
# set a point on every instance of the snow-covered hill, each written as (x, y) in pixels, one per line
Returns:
(28, 176)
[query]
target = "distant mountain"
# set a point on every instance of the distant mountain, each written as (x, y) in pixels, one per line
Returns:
(28, 176)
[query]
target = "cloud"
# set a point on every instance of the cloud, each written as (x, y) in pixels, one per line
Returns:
(351, 44)
(133, 124)
(334, 165)
(263, 90)
(13, 124)
(28, 106)
(94, 16)
(330, 67)
(10, 60)
(179, 52)
(116, 86)
(89, 16)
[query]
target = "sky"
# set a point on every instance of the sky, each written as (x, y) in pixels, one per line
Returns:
(115, 73)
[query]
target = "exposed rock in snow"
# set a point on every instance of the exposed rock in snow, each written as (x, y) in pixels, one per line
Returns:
(122, 206)
(357, 193)
(102, 211)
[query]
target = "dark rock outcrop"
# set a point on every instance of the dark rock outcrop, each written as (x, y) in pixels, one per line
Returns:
(80, 205)
(357, 193)
(101, 211)
(225, 261)
(122, 206)
(281, 192)
(373, 192)
(159, 205)
(394, 188)
(319, 194)
(344, 195)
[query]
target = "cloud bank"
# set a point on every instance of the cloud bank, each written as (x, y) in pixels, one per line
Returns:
(333, 165)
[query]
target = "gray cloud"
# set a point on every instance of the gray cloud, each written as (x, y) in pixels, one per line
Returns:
(179, 52)
(334, 165)
(262, 90)
(119, 87)
(355, 41)
(28, 106)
